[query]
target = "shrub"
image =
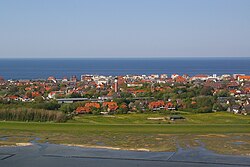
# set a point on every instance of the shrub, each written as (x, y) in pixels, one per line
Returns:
(36, 115)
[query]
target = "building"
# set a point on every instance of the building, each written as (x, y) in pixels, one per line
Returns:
(243, 78)
(71, 100)
(134, 85)
(116, 85)
(201, 77)
(52, 79)
(73, 78)
(87, 78)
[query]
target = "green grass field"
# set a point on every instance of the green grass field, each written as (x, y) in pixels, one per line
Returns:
(209, 118)
(218, 131)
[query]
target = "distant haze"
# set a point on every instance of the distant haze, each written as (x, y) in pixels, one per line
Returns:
(124, 28)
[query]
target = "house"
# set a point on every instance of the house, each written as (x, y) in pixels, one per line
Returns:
(235, 76)
(47, 88)
(25, 99)
(173, 76)
(15, 98)
(247, 90)
(101, 81)
(136, 92)
(163, 76)
(170, 106)
(92, 105)
(134, 85)
(199, 77)
(35, 94)
(87, 78)
(236, 109)
(180, 79)
(161, 81)
(87, 108)
(73, 78)
(65, 79)
(233, 92)
(214, 85)
(242, 78)
(157, 105)
(111, 106)
(186, 76)
(52, 79)
(28, 88)
(232, 85)
(123, 106)
(83, 110)
(52, 95)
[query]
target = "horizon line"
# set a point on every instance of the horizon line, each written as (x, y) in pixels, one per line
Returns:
(170, 57)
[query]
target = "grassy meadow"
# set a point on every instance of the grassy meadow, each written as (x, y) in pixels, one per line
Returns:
(220, 132)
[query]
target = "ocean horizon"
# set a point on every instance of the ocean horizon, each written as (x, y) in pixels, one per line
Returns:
(42, 68)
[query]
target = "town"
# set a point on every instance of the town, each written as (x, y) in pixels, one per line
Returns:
(97, 94)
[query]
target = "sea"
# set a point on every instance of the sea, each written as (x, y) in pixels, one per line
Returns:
(59, 68)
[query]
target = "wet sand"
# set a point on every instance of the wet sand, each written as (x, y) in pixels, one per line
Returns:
(45, 154)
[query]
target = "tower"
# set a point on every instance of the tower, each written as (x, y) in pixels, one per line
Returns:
(116, 85)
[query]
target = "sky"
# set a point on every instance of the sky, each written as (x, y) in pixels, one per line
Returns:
(124, 28)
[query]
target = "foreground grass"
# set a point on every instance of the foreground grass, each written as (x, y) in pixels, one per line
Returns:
(221, 132)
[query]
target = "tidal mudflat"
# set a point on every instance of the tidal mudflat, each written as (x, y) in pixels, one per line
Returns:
(46, 154)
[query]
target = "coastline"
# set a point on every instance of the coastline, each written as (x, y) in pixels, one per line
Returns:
(201, 149)
(80, 146)
(18, 145)
(107, 147)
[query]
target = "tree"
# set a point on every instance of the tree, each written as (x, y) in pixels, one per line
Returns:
(96, 111)
(126, 95)
(67, 108)
(207, 91)
(223, 93)
(39, 99)
(13, 90)
(75, 95)
(219, 107)
(29, 94)
(205, 104)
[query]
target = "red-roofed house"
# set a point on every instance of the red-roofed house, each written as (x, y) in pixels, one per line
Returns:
(16, 98)
(156, 105)
(180, 79)
(87, 108)
(170, 106)
(112, 106)
(243, 78)
(83, 110)
(92, 104)
(35, 94)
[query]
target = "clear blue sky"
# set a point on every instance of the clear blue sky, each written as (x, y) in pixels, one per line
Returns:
(124, 28)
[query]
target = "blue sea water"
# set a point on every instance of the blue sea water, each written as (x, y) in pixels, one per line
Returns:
(43, 68)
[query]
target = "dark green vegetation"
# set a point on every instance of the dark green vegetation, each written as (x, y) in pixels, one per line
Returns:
(46, 105)
(220, 132)
(33, 111)
(37, 115)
